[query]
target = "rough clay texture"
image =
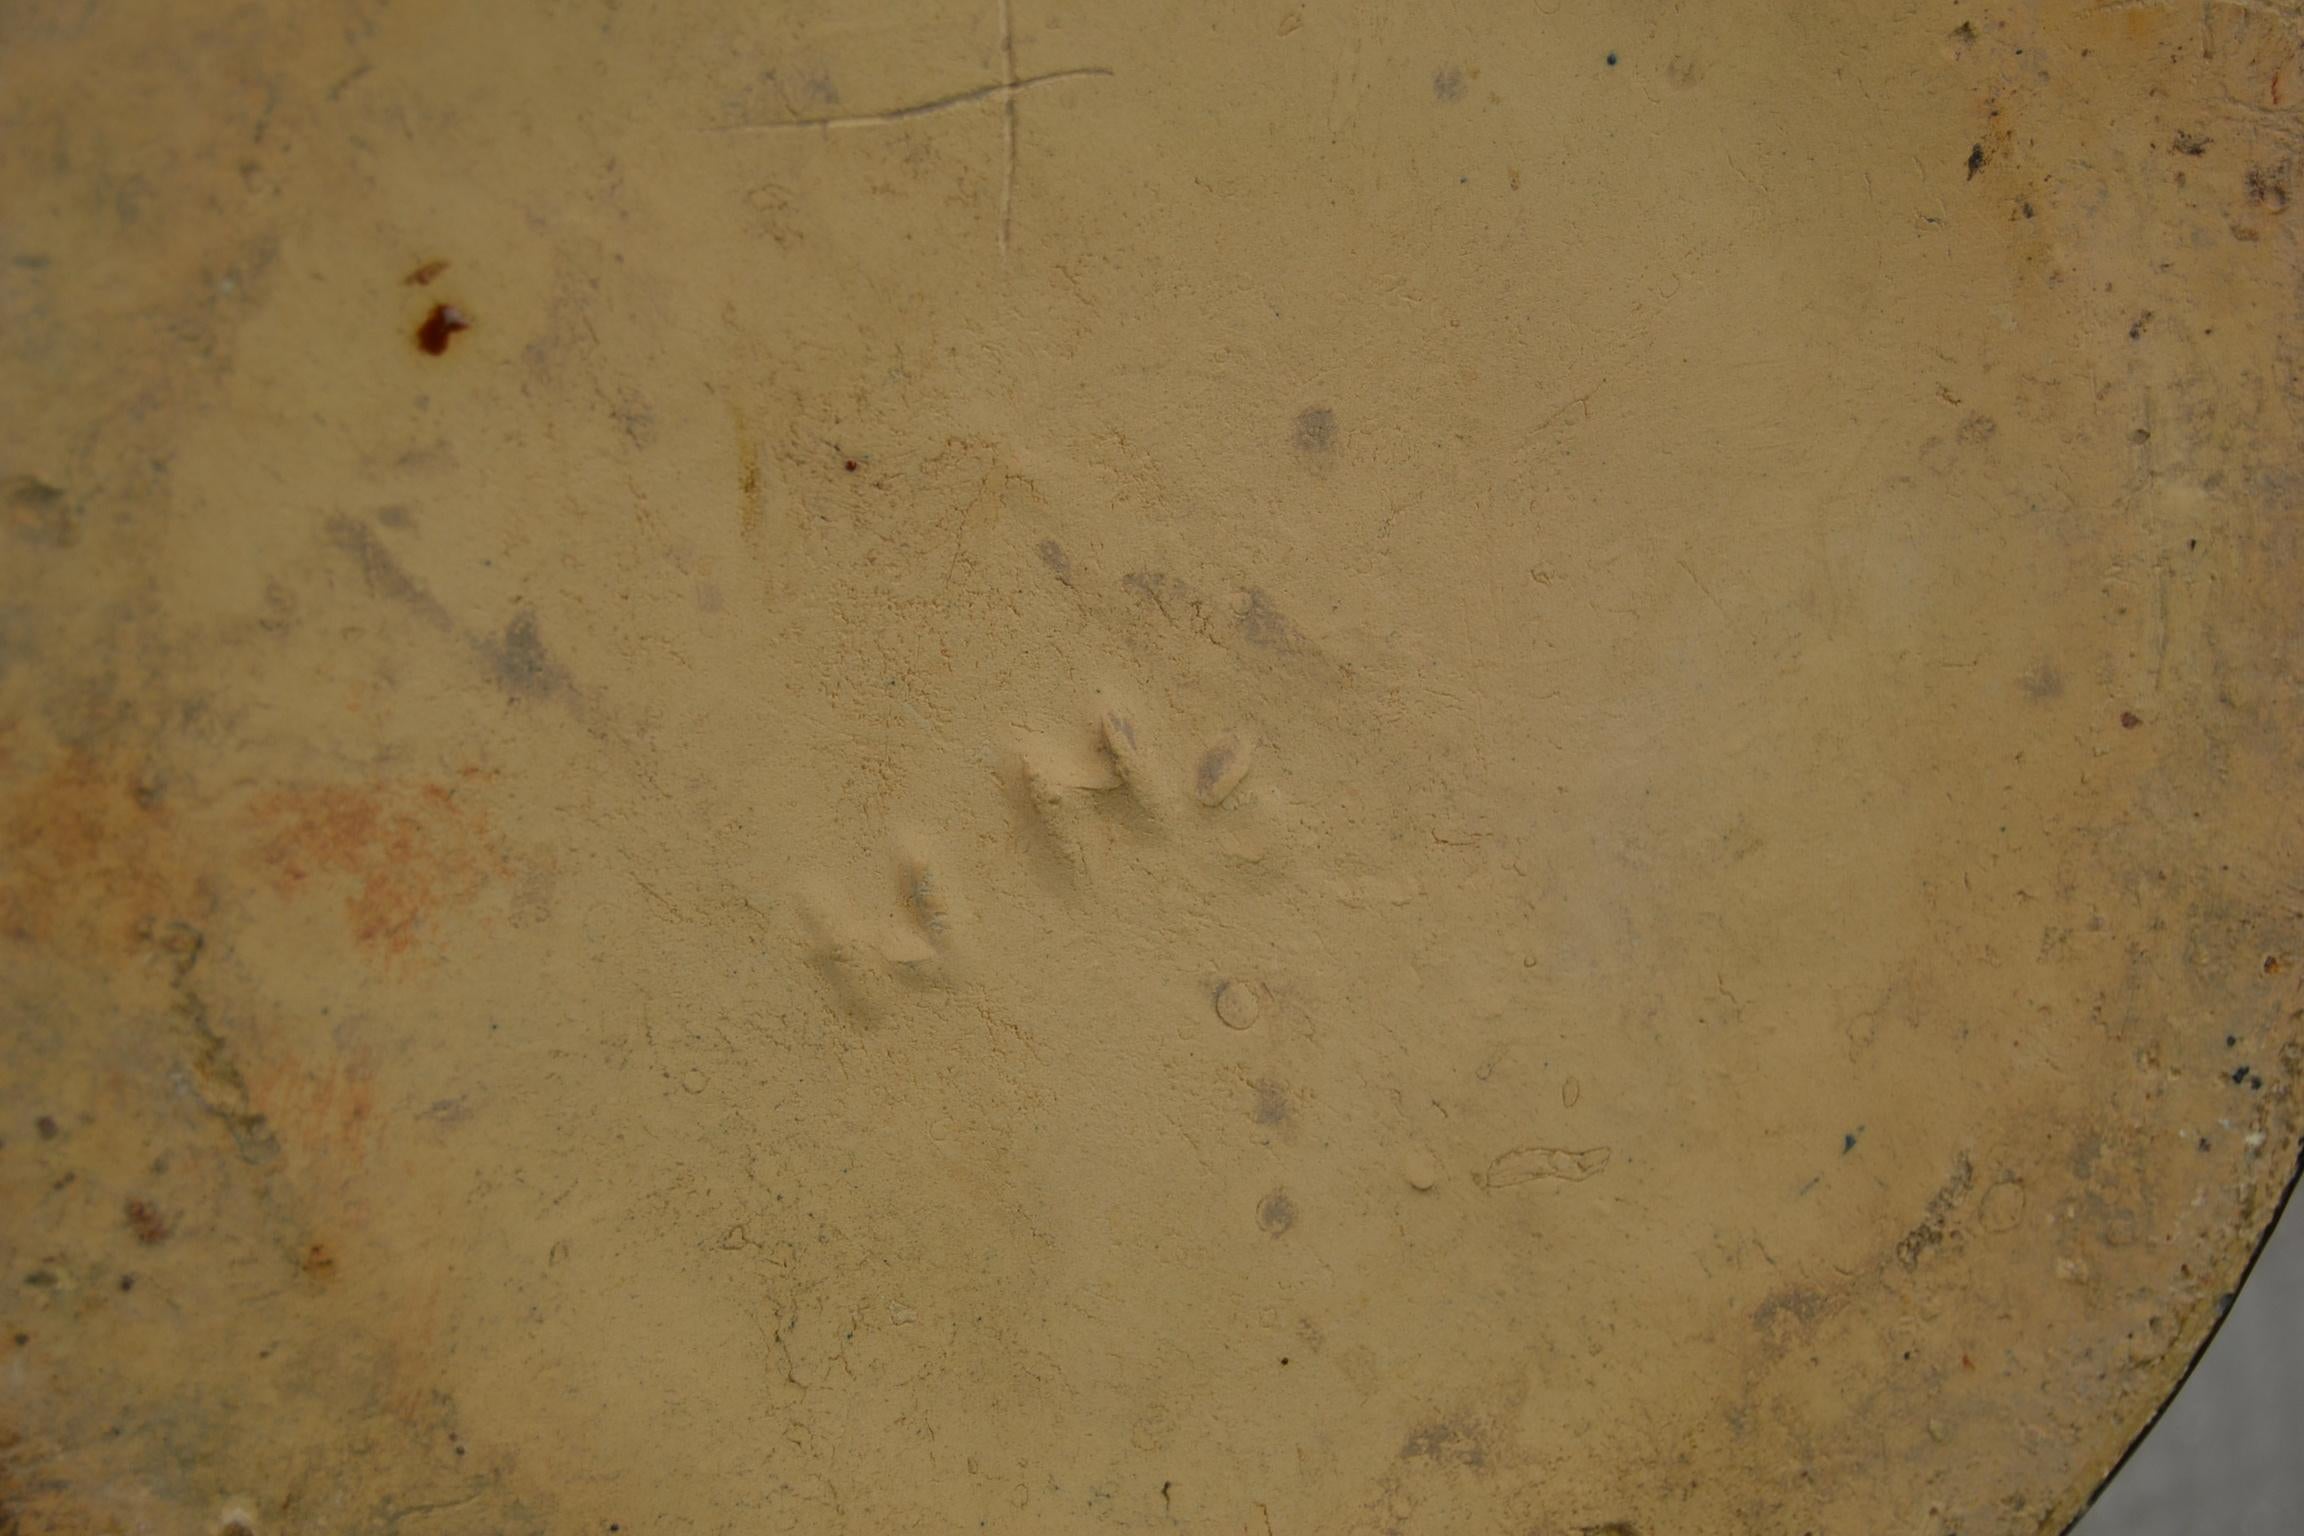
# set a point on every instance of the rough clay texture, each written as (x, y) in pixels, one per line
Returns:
(1264, 767)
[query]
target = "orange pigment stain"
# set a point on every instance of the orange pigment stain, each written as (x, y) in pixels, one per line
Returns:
(325, 1110)
(90, 860)
(407, 856)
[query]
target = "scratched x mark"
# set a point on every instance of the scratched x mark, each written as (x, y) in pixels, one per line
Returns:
(1004, 90)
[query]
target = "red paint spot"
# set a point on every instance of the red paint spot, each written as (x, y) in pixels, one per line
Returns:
(440, 325)
(850, 466)
(2129, 720)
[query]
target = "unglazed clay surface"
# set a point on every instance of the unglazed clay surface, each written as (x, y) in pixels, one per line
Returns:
(1266, 767)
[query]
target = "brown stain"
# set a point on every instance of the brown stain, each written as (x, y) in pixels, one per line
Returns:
(88, 860)
(147, 1221)
(748, 486)
(440, 327)
(409, 853)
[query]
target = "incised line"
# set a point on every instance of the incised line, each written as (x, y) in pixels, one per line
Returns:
(1007, 88)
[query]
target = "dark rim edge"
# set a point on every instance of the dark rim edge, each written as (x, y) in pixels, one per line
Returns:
(2239, 1289)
